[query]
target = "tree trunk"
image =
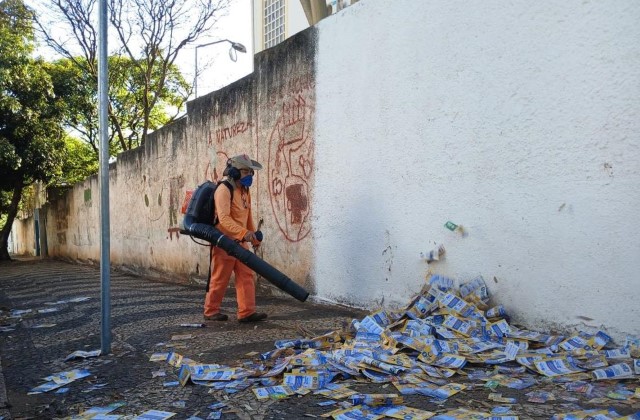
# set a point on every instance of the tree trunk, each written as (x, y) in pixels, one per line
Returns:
(6, 229)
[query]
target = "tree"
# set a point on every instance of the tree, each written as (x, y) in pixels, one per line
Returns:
(151, 34)
(31, 141)
(78, 162)
(80, 113)
(80, 92)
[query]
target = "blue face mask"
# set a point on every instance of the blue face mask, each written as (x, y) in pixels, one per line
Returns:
(246, 181)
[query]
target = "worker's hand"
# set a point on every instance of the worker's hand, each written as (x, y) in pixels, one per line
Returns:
(249, 237)
(258, 239)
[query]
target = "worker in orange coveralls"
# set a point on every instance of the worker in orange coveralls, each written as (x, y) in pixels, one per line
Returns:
(233, 213)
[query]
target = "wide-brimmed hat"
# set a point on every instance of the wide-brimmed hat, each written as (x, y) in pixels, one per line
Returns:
(244, 162)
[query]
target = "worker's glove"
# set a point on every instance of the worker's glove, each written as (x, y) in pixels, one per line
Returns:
(257, 239)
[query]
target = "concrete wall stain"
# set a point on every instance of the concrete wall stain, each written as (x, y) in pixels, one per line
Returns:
(176, 186)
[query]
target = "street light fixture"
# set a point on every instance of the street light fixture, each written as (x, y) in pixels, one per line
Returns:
(235, 46)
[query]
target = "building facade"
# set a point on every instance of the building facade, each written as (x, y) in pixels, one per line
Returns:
(276, 20)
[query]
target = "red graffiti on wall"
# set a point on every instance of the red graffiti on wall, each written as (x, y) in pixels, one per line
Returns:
(230, 132)
(221, 135)
(173, 230)
(176, 186)
(290, 167)
(213, 173)
(295, 85)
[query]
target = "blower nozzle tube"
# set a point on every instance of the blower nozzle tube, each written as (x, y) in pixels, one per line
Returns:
(248, 258)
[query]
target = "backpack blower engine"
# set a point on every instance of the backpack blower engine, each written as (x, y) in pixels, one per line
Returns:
(197, 223)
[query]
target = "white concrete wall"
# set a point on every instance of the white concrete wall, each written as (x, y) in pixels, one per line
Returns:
(518, 120)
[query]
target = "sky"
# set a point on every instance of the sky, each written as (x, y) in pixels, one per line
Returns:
(216, 69)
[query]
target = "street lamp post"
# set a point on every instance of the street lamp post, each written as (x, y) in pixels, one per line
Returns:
(235, 46)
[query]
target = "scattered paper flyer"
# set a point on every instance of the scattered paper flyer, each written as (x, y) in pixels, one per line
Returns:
(155, 415)
(93, 412)
(58, 380)
(81, 354)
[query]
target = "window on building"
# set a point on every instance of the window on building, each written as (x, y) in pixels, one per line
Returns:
(273, 22)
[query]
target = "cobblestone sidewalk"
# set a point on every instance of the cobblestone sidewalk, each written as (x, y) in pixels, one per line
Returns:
(145, 315)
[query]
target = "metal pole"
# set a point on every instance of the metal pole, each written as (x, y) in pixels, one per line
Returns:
(103, 103)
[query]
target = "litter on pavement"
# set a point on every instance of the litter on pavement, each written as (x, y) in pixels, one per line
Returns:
(445, 341)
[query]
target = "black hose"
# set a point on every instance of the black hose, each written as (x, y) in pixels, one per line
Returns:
(248, 258)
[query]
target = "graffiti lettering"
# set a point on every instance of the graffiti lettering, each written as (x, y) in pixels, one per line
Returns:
(276, 186)
(230, 132)
(294, 86)
(300, 84)
(294, 111)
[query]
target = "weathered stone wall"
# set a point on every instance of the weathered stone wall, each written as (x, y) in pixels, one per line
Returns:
(22, 237)
(268, 114)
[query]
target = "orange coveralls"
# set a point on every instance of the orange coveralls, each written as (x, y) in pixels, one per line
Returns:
(235, 220)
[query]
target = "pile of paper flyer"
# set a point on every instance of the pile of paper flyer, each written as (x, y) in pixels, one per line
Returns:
(445, 341)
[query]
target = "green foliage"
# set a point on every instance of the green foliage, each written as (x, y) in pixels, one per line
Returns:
(129, 92)
(78, 88)
(16, 34)
(78, 162)
(78, 91)
(5, 201)
(30, 135)
(146, 90)
(31, 141)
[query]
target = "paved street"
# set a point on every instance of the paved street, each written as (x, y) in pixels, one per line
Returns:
(147, 314)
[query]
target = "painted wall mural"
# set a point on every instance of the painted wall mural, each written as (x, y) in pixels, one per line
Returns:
(290, 166)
